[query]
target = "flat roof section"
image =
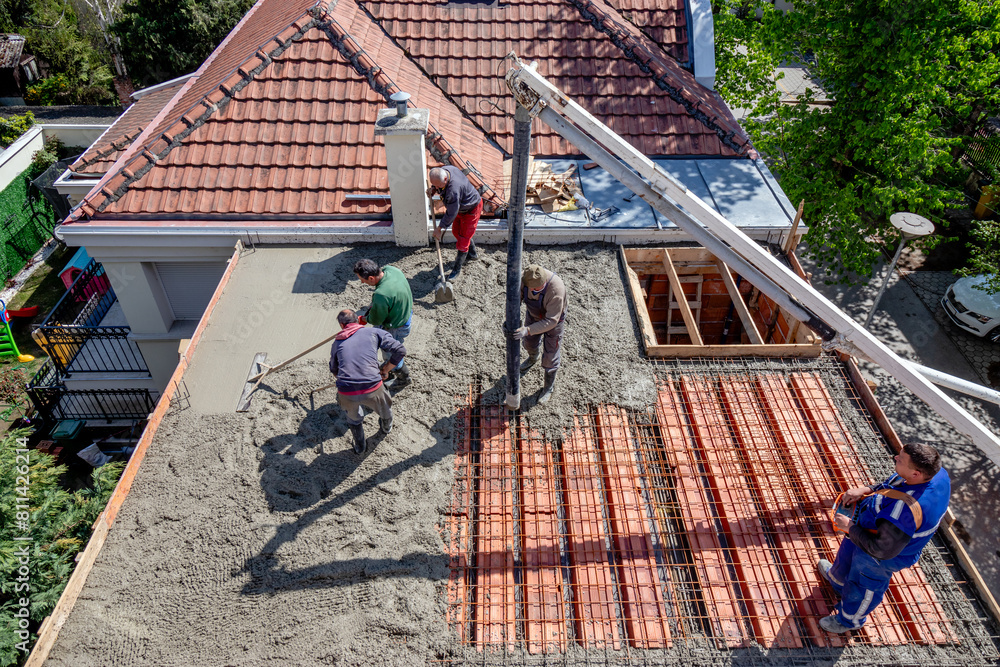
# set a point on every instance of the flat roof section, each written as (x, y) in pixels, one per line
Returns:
(740, 189)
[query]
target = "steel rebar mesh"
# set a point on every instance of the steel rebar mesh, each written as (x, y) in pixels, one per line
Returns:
(685, 534)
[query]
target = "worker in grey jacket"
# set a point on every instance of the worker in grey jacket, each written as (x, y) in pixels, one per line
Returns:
(544, 296)
(354, 360)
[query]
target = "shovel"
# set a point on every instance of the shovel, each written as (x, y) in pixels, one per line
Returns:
(443, 291)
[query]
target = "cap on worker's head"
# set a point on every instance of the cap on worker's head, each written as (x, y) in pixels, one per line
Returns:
(535, 276)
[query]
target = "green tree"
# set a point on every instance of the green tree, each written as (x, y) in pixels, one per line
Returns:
(745, 68)
(911, 83)
(52, 33)
(164, 39)
(58, 524)
(13, 127)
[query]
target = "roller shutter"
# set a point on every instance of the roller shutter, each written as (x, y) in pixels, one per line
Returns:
(189, 285)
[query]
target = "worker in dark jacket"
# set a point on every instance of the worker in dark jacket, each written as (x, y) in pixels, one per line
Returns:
(354, 360)
(463, 206)
(544, 296)
(391, 309)
(892, 522)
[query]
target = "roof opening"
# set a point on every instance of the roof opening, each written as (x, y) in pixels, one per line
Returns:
(721, 313)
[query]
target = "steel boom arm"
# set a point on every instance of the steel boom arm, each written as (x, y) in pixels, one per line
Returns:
(670, 197)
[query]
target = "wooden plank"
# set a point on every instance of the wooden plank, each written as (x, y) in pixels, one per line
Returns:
(643, 605)
(758, 577)
(791, 241)
(740, 304)
(675, 285)
(724, 616)
(645, 324)
(692, 255)
(688, 351)
(776, 482)
(591, 573)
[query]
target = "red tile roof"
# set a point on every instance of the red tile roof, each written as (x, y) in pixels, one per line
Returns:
(665, 21)
(585, 48)
(104, 152)
(289, 130)
(279, 121)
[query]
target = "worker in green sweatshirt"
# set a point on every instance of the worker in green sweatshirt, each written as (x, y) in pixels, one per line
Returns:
(391, 308)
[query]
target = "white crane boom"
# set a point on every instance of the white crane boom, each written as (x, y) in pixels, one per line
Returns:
(667, 195)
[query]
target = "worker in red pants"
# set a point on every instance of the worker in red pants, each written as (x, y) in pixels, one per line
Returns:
(463, 206)
(892, 523)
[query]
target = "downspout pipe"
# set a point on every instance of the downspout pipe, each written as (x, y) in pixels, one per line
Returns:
(515, 244)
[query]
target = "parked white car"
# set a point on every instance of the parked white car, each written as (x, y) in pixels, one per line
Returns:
(974, 310)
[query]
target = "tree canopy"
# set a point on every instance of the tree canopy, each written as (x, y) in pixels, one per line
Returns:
(164, 39)
(56, 34)
(911, 83)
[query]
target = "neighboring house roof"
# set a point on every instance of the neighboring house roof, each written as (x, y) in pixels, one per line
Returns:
(104, 152)
(11, 47)
(279, 121)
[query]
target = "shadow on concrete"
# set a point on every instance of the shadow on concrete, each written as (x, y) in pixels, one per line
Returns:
(292, 485)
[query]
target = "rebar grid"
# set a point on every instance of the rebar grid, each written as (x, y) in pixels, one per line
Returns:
(686, 534)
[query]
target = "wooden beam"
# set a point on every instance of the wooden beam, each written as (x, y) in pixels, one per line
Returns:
(675, 284)
(645, 324)
(690, 254)
(739, 303)
(790, 241)
(688, 351)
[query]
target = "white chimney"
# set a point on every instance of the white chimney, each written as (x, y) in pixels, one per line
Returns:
(404, 130)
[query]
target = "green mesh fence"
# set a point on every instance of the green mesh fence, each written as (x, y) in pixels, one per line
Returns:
(25, 224)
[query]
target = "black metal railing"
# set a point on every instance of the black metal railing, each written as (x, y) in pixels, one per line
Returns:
(86, 302)
(53, 401)
(72, 337)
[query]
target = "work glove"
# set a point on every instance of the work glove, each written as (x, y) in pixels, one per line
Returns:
(362, 313)
(362, 320)
(520, 333)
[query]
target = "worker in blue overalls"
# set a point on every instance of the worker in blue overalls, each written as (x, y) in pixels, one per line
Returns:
(892, 522)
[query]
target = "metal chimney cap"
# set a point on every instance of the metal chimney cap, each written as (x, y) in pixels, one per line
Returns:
(400, 99)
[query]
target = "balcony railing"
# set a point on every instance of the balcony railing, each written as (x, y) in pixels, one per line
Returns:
(72, 334)
(54, 401)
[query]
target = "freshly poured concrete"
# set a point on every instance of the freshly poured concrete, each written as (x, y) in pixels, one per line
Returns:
(260, 538)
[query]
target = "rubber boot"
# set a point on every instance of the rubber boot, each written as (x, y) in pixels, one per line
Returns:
(398, 379)
(457, 266)
(550, 383)
(532, 359)
(473, 253)
(385, 426)
(358, 430)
